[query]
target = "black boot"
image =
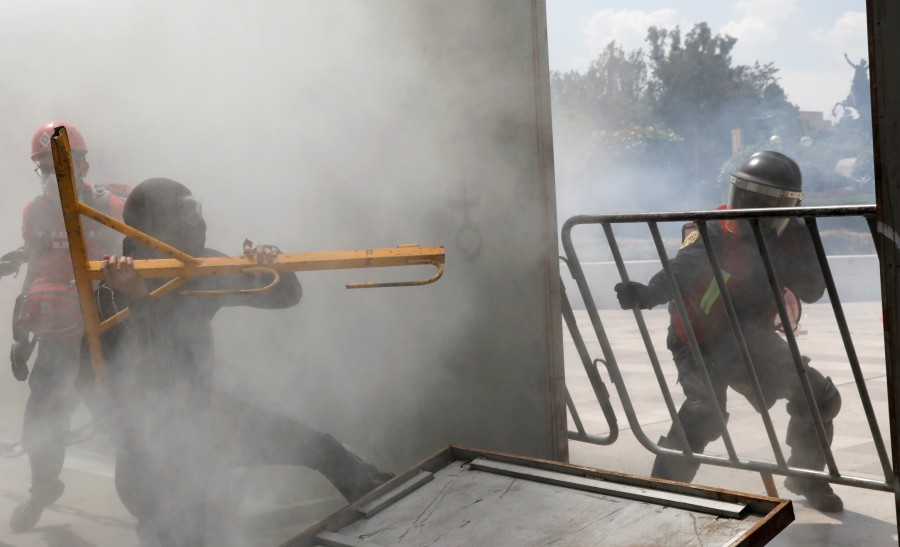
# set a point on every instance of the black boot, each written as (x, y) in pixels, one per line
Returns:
(353, 476)
(806, 452)
(818, 493)
(26, 515)
(673, 468)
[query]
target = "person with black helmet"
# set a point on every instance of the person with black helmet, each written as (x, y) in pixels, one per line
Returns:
(172, 429)
(765, 179)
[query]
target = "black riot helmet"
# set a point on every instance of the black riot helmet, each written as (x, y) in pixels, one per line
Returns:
(164, 209)
(766, 179)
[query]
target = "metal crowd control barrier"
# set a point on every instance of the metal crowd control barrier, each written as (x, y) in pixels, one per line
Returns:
(809, 215)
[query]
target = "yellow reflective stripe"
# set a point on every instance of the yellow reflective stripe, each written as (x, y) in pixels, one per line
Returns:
(712, 293)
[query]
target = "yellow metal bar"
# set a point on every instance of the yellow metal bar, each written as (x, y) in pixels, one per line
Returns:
(430, 280)
(68, 193)
(122, 315)
(128, 231)
(276, 278)
(182, 267)
(285, 262)
(769, 483)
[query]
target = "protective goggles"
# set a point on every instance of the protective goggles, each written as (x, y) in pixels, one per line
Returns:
(190, 210)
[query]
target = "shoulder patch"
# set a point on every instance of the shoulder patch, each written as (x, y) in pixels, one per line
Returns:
(691, 238)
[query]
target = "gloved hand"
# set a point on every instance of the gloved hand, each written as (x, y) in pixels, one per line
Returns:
(18, 357)
(19, 354)
(630, 293)
(12, 261)
(14, 256)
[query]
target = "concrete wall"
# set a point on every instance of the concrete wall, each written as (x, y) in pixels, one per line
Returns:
(323, 125)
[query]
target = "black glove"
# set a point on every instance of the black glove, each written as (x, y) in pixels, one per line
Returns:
(15, 256)
(18, 357)
(12, 261)
(630, 293)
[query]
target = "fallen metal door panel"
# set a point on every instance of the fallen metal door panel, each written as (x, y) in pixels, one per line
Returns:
(463, 504)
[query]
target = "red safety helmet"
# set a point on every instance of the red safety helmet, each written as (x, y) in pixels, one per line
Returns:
(40, 142)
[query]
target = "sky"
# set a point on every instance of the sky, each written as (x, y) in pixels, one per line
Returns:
(805, 39)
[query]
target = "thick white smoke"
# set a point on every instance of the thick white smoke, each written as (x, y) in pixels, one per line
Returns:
(326, 126)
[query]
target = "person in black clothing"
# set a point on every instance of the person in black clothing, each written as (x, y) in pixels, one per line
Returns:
(766, 179)
(172, 429)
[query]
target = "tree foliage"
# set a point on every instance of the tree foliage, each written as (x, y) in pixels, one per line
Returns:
(686, 85)
(611, 91)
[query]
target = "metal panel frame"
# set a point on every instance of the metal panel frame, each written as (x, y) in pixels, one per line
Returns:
(775, 514)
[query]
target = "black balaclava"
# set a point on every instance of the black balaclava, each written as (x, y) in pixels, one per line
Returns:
(164, 209)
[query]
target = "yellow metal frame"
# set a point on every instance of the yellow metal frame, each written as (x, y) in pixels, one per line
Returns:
(182, 267)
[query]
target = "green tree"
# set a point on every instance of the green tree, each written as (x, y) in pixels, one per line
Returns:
(657, 126)
(697, 91)
(610, 93)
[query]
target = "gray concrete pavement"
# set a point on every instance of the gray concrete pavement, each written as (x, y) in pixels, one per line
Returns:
(90, 514)
(274, 504)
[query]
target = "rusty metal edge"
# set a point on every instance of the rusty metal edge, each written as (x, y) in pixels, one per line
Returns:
(775, 513)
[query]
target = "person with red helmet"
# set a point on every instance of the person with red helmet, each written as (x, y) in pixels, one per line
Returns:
(47, 316)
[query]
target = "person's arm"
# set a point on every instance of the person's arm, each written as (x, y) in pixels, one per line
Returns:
(285, 294)
(23, 342)
(796, 263)
(690, 260)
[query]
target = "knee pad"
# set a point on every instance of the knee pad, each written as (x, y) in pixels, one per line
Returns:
(700, 423)
(829, 400)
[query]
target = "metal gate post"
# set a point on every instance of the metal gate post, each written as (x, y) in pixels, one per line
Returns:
(884, 77)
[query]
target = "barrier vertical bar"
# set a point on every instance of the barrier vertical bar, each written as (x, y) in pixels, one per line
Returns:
(858, 377)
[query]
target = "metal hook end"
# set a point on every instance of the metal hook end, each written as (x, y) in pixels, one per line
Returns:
(276, 278)
(379, 285)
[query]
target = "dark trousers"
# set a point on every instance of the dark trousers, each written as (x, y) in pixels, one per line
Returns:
(778, 379)
(165, 459)
(50, 405)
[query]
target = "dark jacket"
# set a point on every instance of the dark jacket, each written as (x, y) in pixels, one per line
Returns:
(158, 397)
(169, 341)
(793, 259)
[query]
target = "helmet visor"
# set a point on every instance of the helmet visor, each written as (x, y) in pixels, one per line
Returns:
(743, 194)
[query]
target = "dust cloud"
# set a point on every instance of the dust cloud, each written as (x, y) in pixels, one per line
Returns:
(321, 126)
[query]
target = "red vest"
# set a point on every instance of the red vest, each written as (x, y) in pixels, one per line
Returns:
(50, 306)
(703, 299)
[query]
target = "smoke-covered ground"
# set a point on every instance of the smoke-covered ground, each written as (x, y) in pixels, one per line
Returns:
(326, 126)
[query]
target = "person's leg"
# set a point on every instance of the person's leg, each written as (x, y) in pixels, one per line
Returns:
(806, 451)
(162, 464)
(779, 379)
(698, 419)
(134, 480)
(261, 437)
(45, 428)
